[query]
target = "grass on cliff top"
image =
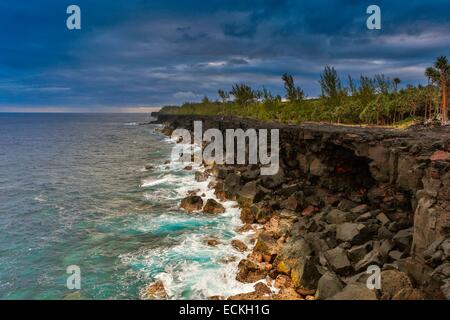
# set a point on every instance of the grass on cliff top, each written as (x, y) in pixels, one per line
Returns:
(313, 110)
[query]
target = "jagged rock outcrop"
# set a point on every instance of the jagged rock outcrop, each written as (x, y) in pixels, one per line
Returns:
(344, 199)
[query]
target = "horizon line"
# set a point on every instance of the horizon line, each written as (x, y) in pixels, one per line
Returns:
(79, 110)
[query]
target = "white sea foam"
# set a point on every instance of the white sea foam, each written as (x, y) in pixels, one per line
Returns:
(194, 270)
(150, 182)
(40, 198)
(190, 268)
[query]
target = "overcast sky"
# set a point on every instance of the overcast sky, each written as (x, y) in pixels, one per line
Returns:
(135, 53)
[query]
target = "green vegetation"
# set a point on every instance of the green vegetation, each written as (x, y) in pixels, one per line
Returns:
(376, 100)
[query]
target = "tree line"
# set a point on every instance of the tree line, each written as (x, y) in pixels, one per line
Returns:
(370, 100)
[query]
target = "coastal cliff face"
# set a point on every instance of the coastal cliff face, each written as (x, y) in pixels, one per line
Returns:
(345, 198)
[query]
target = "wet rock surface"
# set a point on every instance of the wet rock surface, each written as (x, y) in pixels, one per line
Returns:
(192, 203)
(155, 291)
(213, 207)
(344, 199)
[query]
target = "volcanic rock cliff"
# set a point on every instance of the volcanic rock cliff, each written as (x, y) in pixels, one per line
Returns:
(345, 198)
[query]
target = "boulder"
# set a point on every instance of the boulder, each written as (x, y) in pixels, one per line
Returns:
(288, 190)
(396, 255)
(201, 176)
(392, 281)
(409, 174)
(372, 258)
(432, 248)
(383, 219)
(442, 272)
(250, 175)
(445, 246)
(212, 241)
(445, 289)
(317, 243)
(294, 202)
(282, 281)
(219, 191)
(416, 270)
(192, 203)
(250, 193)
(384, 233)
(361, 277)
(305, 275)
(328, 199)
(278, 227)
(215, 298)
(329, 285)
(248, 215)
(273, 181)
(155, 291)
(346, 205)
(363, 208)
(287, 294)
(232, 185)
(386, 247)
(364, 217)
(355, 291)
(220, 172)
(436, 258)
(337, 216)
(193, 192)
(213, 207)
(249, 271)
(355, 233)
(431, 220)
(167, 131)
(267, 245)
(245, 228)
(262, 289)
(250, 296)
(308, 211)
(338, 261)
(262, 212)
(409, 294)
(357, 253)
(239, 245)
(293, 251)
(228, 259)
(403, 239)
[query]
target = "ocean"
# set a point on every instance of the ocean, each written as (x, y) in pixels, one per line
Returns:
(74, 191)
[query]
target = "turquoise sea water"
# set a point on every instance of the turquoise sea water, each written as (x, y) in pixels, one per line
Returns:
(74, 191)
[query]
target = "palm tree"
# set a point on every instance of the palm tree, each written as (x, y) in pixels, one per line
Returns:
(224, 96)
(396, 82)
(432, 75)
(440, 74)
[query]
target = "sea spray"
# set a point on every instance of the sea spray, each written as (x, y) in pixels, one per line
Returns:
(189, 267)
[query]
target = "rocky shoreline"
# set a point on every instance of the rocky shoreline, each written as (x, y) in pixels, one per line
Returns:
(344, 199)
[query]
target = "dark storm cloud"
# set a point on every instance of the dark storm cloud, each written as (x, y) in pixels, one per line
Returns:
(135, 52)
